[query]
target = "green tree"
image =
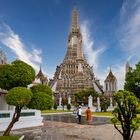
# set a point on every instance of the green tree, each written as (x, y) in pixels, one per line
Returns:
(64, 102)
(79, 96)
(40, 101)
(82, 95)
(15, 77)
(18, 73)
(126, 113)
(42, 88)
(42, 97)
(55, 106)
(132, 82)
(5, 76)
(68, 107)
(104, 102)
(19, 97)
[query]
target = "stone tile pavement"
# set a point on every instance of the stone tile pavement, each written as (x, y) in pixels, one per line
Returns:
(71, 131)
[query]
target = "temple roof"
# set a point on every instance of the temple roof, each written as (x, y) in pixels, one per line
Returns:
(41, 76)
(110, 77)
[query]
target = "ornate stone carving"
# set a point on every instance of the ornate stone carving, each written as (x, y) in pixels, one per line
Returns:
(74, 73)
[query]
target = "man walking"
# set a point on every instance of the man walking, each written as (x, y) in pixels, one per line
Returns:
(79, 113)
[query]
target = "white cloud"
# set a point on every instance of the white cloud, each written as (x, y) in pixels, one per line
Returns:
(119, 72)
(14, 42)
(92, 54)
(129, 31)
(88, 43)
(129, 37)
(36, 54)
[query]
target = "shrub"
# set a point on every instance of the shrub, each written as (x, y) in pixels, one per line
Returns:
(55, 106)
(68, 106)
(41, 101)
(42, 88)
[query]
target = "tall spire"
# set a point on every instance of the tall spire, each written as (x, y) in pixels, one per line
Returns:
(74, 50)
(40, 74)
(127, 68)
(110, 71)
(3, 59)
(75, 24)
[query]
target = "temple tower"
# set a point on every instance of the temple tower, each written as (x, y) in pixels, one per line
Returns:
(127, 68)
(3, 59)
(74, 73)
(110, 83)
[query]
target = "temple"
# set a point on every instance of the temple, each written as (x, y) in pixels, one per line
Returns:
(110, 84)
(74, 73)
(40, 78)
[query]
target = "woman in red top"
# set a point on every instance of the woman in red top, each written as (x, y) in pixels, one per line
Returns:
(88, 114)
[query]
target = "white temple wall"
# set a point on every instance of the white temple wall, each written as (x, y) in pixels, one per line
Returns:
(3, 104)
(29, 118)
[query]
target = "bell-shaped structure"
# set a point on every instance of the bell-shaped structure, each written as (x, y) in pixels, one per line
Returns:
(74, 73)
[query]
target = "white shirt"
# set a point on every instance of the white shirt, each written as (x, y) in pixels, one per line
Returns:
(79, 111)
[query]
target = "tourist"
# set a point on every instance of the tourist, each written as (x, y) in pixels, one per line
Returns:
(79, 113)
(88, 115)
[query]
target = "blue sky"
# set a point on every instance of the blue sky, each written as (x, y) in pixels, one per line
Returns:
(36, 31)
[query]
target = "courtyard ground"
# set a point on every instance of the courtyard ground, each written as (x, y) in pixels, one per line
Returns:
(72, 131)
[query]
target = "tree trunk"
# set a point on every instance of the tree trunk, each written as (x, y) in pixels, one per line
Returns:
(127, 132)
(126, 136)
(15, 118)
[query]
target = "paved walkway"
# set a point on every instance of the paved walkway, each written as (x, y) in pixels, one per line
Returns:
(71, 131)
